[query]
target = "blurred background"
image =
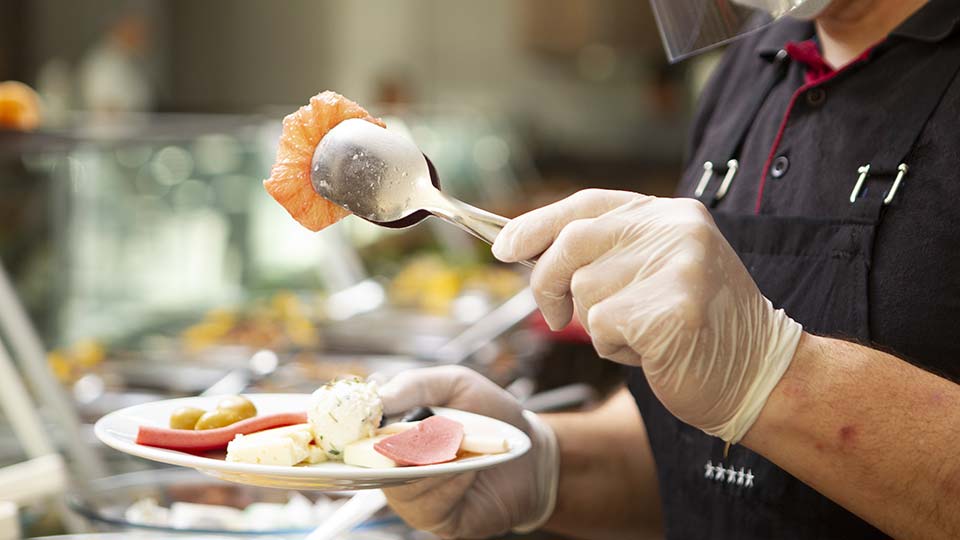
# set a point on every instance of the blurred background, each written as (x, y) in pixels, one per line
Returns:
(150, 262)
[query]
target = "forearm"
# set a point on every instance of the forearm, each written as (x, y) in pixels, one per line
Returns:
(873, 433)
(608, 486)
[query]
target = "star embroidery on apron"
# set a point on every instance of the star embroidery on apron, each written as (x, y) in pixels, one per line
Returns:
(730, 476)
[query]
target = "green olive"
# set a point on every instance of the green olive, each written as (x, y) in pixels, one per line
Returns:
(217, 419)
(185, 417)
(240, 404)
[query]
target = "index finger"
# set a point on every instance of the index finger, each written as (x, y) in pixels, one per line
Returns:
(529, 235)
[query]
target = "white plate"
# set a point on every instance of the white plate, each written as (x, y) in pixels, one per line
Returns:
(119, 430)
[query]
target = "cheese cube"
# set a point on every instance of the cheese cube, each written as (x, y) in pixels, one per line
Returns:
(396, 427)
(317, 455)
(484, 444)
(287, 445)
(362, 454)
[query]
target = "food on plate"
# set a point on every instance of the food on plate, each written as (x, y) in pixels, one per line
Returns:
(484, 444)
(397, 427)
(217, 418)
(362, 454)
(342, 412)
(434, 440)
(289, 181)
(212, 439)
(317, 455)
(185, 417)
(340, 425)
(230, 410)
(473, 443)
(287, 445)
(239, 404)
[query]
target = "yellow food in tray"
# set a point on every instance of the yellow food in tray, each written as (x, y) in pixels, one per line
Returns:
(430, 284)
(281, 322)
(70, 363)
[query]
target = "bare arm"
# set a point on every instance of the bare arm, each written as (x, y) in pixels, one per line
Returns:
(608, 485)
(875, 434)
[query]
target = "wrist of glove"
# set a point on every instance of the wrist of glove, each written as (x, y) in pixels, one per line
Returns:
(775, 350)
(656, 285)
(546, 474)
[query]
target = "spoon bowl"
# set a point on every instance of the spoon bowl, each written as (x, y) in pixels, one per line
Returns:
(371, 172)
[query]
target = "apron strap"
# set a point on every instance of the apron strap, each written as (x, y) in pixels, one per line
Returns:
(891, 162)
(725, 162)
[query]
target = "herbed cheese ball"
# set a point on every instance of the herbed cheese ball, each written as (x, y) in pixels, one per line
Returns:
(342, 412)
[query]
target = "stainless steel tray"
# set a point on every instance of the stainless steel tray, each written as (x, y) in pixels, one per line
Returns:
(104, 503)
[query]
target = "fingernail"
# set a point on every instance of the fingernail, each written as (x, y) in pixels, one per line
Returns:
(503, 248)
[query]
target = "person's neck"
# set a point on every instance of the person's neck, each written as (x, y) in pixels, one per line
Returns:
(849, 27)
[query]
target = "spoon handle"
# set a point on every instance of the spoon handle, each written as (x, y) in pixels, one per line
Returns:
(480, 223)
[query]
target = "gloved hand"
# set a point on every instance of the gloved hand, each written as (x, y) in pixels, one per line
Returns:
(656, 285)
(518, 495)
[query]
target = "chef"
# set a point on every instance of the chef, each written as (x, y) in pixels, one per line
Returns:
(792, 320)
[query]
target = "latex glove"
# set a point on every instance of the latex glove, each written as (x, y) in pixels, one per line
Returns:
(519, 495)
(656, 285)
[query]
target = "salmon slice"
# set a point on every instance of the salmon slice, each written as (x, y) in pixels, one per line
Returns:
(289, 181)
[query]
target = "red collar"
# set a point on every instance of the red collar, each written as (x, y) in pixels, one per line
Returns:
(818, 70)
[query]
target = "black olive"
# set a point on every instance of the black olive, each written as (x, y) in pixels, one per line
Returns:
(413, 415)
(420, 413)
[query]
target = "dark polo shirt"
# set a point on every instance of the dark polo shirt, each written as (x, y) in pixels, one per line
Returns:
(803, 151)
(800, 158)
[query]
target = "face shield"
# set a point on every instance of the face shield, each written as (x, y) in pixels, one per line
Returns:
(691, 26)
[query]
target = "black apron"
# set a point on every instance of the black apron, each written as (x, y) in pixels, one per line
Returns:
(818, 271)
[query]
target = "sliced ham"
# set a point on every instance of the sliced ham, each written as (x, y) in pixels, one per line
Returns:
(189, 440)
(434, 440)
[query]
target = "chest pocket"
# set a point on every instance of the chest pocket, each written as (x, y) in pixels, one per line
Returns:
(816, 270)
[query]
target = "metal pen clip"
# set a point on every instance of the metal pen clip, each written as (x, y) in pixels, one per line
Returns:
(864, 172)
(901, 173)
(705, 179)
(708, 169)
(732, 167)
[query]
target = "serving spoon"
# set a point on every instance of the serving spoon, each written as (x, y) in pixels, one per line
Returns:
(384, 178)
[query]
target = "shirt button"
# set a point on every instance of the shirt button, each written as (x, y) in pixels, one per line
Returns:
(816, 97)
(780, 166)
